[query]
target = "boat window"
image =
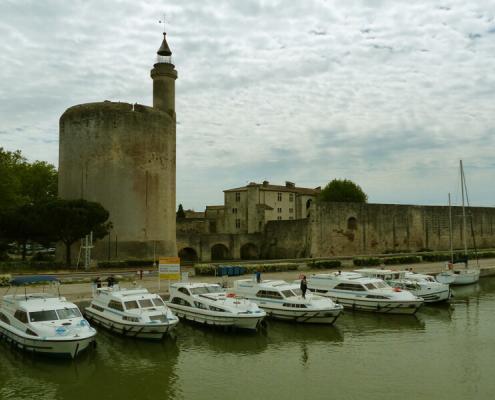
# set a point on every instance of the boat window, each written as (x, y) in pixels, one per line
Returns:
(131, 305)
(215, 289)
(4, 318)
(97, 308)
(350, 286)
(38, 316)
(68, 313)
(288, 293)
(297, 292)
(181, 302)
(30, 332)
(116, 305)
(21, 316)
(269, 294)
(130, 319)
(370, 286)
(200, 290)
(158, 302)
(200, 305)
(380, 285)
(376, 296)
(213, 308)
(184, 290)
(146, 303)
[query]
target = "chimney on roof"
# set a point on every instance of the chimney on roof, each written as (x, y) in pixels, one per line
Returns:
(290, 184)
(265, 183)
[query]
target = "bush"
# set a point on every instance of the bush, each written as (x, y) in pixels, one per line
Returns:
(435, 257)
(402, 260)
(325, 264)
(5, 280)
(366, 262)
(205, 269)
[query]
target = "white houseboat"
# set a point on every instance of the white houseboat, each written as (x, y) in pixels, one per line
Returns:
(210, 304)
(131, 312)
(356, 292)
(44, 323)
(420, 285)
(282, 300)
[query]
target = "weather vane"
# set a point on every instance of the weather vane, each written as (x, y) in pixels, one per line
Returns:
(162, 22)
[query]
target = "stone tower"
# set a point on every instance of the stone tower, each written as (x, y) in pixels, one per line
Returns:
(123, 156)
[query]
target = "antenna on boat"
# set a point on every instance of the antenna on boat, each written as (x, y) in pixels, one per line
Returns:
(450, 232)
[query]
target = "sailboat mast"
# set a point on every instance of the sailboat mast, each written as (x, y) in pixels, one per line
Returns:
(450, 233)
(464, 238)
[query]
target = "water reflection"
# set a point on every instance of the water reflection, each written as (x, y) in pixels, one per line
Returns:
(363, 324)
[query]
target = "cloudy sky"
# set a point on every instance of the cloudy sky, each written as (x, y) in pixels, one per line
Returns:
(388, 93)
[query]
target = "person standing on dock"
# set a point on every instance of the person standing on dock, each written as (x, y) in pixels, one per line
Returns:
(304, 286)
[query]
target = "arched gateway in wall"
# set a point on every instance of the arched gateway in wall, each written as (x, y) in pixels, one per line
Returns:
(188, 256)
(249, 251)
(220, 252)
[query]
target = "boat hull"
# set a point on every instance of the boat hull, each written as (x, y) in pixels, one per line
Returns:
(433, 296)
(466, 277)
(53, 347)
(155, 331)
(310, 317)
(248, 322)
(377, 306)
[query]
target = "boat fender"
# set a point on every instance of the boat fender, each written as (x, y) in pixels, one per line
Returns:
(396, 289)
(231, 295)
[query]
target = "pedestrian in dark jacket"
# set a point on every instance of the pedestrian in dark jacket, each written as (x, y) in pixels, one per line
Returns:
(304, 286)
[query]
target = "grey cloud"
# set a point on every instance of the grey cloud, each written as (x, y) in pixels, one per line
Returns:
(388, 92)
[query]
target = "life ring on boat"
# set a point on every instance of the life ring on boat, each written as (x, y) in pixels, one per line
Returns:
(231, 295)
(396, 289)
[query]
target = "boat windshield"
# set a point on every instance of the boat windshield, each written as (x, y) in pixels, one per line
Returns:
(158, 302)
(39, 316)
(146, 303)
(292, 293)
(67, 313)
(206, 289)
(131, 305)
(375, 285)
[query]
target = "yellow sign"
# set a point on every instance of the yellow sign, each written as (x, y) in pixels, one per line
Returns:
(169, 268)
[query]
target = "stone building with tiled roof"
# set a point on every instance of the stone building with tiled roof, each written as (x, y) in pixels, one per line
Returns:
(248, 208)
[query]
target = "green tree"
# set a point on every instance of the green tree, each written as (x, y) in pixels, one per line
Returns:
(180, 212)
(11, 164)
(71, 220)
(22, 224)
(343, 190)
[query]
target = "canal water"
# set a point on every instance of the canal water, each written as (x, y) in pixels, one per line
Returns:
(441, 353)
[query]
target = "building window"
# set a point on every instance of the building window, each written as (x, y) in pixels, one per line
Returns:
(279, 196)
(237, 196)
(234, 211)
(291, 210)
(352, 223)
(237, 223)
(291, 217)
(279, 217)
(291, 196)
(279, 210)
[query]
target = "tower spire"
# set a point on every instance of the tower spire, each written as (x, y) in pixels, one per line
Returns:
(164, 50)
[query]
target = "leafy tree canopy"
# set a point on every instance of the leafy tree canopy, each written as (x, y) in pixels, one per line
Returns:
(22, 182)
(71, 220)
(343, 190)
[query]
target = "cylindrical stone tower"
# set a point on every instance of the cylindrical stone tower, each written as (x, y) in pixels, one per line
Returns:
(123, 156)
